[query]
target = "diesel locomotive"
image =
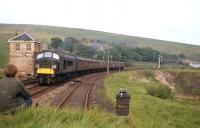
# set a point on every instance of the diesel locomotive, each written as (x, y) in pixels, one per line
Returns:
(53, 65)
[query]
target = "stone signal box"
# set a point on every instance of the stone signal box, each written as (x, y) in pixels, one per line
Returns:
(23, 49)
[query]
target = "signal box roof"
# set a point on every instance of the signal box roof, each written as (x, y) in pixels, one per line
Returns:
(23, 37)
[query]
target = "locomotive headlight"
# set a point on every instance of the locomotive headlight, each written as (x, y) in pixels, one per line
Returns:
(53, 66)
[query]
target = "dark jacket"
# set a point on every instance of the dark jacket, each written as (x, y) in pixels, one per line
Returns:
(12, 94)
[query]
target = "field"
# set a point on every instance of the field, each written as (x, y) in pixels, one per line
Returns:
(45, 33)
(145, 111)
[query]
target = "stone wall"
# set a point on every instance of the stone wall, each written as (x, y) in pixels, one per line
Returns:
(24, 59)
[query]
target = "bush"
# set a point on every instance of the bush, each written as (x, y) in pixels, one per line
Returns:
(160, 91)
(149, 74)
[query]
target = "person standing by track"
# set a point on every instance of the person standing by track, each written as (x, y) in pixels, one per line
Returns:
(12, 91)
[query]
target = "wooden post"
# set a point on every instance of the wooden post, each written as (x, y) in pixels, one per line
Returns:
(108, 62)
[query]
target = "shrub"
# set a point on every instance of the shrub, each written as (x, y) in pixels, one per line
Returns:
(160, 91)
(149, 74)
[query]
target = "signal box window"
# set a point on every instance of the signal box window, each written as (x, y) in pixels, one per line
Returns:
(28, 47)
(17, 48)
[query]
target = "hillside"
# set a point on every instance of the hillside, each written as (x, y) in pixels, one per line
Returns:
(45, 33)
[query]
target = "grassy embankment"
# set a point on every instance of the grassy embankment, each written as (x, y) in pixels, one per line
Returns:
(151, 112)
(187, 81)
(145, 111)
(46, 117)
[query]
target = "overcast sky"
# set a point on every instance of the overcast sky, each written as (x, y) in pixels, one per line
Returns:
(174, 20)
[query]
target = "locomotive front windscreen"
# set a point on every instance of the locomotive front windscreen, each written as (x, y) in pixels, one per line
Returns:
(48, 60)
(48, 55)
(40, 56)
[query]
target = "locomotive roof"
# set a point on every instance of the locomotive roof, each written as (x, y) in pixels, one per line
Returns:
(61, 53)
(67, 55)
(86, 59)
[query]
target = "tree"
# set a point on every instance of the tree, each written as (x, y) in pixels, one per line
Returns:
(181, 56)
(56, 42)
(85, 51)
(70, 44)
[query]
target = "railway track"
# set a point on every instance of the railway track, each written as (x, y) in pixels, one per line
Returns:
(36, 90)
(79, 92)
(26, 82)
(30, 86)
(86, 102)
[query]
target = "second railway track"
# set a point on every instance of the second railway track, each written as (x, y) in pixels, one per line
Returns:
(35, 90)
(77, 95)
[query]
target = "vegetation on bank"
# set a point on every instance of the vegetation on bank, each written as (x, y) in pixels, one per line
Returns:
(48, 117)
(160, 91)
(147, 111)
(187, 81)
(4, 49)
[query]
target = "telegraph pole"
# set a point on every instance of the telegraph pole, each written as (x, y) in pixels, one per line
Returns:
(159, 57)
(119, 62)
(108, 62)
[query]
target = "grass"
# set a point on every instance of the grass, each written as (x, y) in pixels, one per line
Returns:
(187, 81)
(1, 73)
(151, 112)
(160, 91)
(145, 111)
(4, 49)
(47, 117)
(143, 65)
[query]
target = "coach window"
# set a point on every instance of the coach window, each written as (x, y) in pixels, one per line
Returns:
(28, 46)
(69, 63)
(64, 64)
(17, 48)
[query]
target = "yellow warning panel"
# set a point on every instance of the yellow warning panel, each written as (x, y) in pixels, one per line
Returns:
(45, 71)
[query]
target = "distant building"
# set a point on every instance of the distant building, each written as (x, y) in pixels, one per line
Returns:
(23, 49)
(195, 64)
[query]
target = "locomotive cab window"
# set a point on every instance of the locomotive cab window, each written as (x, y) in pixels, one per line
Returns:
(48, 54)
(40, 56)
(55, 56)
